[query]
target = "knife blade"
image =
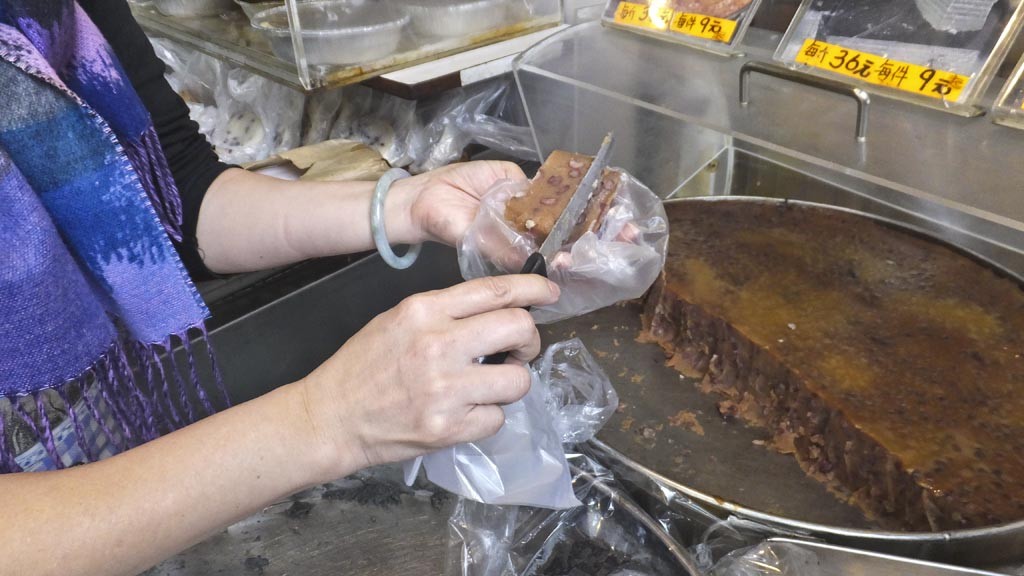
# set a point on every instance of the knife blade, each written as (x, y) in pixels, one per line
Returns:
(577, 205)
(537, 263)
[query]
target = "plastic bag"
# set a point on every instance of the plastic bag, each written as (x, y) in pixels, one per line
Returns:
(489, 113)
(524, 463)
(609, 535)
(619, 262)
(257, 117)
(580, 396)
(383, 122)
(769, 559)
(426, 134)
(244, 116)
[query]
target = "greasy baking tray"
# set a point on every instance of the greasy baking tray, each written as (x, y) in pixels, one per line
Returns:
(667, 429)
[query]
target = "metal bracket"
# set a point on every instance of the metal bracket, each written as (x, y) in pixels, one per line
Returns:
(862, 97)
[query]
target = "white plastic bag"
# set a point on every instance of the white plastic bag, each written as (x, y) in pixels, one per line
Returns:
(524, 463)
(244, 116)
(619, 262)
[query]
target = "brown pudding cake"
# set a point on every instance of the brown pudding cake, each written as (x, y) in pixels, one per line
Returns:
(551, 189)
(890, 365)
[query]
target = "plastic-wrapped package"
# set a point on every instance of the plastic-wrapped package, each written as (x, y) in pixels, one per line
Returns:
(381, 121)
(524, 463)
(256, 117)
(244, 116)
(609, 535)
(322, 109)
(619, 262)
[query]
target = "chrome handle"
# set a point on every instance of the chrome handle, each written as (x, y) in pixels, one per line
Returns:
(862, 97)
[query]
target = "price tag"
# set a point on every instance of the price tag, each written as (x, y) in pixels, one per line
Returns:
(707, 27)
(641, 15)
(662, 19)
(883, 71)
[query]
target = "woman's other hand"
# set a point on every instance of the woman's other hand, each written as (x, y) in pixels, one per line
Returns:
(408, 382)
(446, 200)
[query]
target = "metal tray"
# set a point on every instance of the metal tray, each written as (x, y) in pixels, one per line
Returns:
(723, 470)
(725, 466)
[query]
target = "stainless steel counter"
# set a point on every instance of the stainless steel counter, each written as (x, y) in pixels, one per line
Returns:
(362, 526)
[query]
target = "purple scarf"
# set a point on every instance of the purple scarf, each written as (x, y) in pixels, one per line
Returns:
(92, 293)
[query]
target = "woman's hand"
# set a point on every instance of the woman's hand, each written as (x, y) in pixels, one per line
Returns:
(445, 201)
(408, 383)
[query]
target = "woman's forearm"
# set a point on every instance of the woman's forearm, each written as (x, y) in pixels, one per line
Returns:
(121, 515)
(250, 222)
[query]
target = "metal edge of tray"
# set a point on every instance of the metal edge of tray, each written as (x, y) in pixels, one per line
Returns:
(893, 562)
(985, 546)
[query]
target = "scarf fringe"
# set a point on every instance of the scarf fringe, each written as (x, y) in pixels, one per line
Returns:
(148, 159)
(128, 407)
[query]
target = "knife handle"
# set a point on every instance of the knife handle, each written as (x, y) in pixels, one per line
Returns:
(534, 265)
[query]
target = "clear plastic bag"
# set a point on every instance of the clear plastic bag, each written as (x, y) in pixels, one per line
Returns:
(257, 117)
(580, 396)
(619, 262)
(769, 559)
(609, 535)
(383, 122)
(524, 463)
(427, 134)
(489, 113)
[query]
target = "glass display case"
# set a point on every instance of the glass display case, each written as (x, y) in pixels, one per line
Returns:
(938, 53)
(714, 25)
(1009, 108)
(682, 128)
(312, 44)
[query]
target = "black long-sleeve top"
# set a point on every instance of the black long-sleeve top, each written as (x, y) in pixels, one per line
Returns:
(189, 155)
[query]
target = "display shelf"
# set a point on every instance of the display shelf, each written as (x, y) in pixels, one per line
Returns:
(230, 38)
(462, 69)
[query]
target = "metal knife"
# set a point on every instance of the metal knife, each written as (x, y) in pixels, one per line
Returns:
(537, 263)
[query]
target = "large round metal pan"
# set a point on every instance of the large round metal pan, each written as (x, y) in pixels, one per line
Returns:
(671, 432)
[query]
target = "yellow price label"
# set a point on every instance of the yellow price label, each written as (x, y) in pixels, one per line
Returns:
(701, 26)
(882, 71)
(662, 18)
(643, 16)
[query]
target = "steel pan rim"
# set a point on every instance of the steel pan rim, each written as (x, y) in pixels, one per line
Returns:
(812, 528)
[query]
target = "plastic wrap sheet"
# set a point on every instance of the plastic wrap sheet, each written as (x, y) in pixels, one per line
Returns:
(618, 262)
(524, 463)
(244, 116)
